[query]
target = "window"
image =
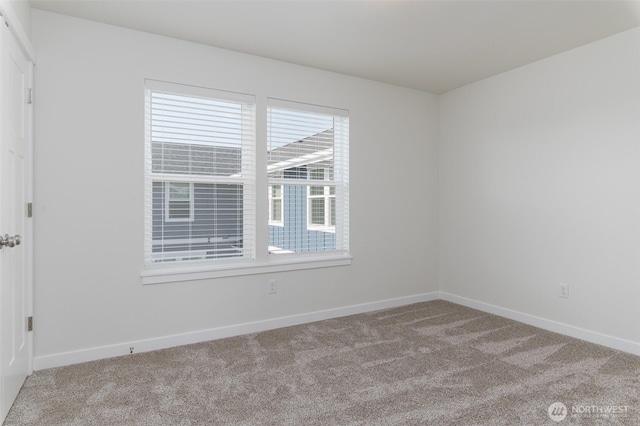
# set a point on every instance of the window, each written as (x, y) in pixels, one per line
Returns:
(276, 210)
(307, 155)
(199, 172)
(179, 202)
(201, 177)
(321, 203)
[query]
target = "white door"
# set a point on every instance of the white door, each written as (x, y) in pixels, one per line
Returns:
(15, 186)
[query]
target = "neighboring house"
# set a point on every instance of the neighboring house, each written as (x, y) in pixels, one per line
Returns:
(189, 216)
(204, 220)
(302, 217)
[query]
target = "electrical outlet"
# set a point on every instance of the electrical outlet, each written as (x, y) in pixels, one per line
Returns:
(273, 287)
(564, 291)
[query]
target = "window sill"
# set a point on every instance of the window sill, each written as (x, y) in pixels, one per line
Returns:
(191, 273)
(322, 228)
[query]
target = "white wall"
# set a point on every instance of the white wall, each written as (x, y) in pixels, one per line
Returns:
(540, 184)
(89, 189)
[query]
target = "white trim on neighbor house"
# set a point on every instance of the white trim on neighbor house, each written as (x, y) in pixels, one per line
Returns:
(549, 325)
(102, 352)
(314, 157)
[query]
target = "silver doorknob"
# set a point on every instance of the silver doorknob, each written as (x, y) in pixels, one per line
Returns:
(10, 241)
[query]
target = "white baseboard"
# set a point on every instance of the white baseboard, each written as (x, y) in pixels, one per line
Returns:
(557, 327)
(119, 349)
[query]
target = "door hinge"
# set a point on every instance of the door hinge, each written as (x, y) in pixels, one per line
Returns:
(29, 209)
(30, 323)
(29, 96)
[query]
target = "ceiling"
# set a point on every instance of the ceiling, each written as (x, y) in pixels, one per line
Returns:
(435, 46)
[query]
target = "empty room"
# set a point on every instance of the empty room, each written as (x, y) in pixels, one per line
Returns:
(302, 212)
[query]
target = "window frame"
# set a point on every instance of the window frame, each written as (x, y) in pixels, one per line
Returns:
(338, 179)
(161, 260)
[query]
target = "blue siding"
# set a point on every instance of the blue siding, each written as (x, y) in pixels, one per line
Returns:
(298, 238)
(216, 219)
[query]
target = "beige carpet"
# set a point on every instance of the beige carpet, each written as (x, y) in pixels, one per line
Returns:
(433, 363)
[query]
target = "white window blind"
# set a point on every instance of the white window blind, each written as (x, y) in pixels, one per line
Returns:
(308, 155)
(199, 174)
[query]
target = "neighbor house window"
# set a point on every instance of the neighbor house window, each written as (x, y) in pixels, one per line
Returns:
(276, 207)
(179, 201)
(321, 203)
(308, 156)
(199, 172)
